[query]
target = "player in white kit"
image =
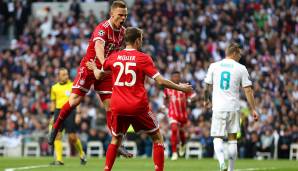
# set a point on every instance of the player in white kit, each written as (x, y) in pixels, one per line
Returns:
(224, 79)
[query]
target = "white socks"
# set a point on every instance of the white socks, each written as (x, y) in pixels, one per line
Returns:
(232, 153)
(219, 151)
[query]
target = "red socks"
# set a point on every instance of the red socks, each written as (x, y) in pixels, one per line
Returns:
(64, 112)
(174, 137)
(110, 157)
(158, 156)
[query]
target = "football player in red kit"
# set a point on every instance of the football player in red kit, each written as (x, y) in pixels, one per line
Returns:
(106, 39)
(176, 101)
(129, 101)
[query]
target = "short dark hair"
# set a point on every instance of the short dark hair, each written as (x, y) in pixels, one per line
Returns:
(175, 72)
(118, 4)
(132, 34)
(232, 48)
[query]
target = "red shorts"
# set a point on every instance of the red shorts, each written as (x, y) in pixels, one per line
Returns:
(85, 79)
(145, 122)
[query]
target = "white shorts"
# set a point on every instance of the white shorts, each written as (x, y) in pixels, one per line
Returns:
(225, 122)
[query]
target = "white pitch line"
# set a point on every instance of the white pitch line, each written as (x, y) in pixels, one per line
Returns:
(26, 167)
(254, 169)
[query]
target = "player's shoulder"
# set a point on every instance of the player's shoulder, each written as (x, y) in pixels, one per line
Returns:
(240, 66)
(104, 24)
(56, 85)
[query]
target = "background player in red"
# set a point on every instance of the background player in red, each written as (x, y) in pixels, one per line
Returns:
(107, 38)
(176, 101)
(129, 102)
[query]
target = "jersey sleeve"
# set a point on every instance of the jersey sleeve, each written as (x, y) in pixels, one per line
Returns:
(245, 81)
(209, 76)
(149, 68)
(100, 33)
(53, 94)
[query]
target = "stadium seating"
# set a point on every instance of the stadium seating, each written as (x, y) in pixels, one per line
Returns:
(263, 155)
(193, 149)
(95, 148)
(32, 149)
(294, 151)
(2, 149)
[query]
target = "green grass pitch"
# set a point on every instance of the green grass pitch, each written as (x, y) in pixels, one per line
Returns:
(139, 164)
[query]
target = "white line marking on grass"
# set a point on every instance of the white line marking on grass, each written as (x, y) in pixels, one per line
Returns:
(26, 167)
(253, 169)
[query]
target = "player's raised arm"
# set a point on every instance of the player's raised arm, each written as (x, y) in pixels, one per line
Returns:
(251, 101)
(169, 84)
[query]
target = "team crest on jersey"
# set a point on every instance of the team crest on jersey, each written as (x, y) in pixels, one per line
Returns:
(82, 82)
(101, 32)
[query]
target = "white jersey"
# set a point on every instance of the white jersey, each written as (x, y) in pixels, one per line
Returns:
(227, 76)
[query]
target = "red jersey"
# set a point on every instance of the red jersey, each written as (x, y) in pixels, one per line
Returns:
(129, 68)
(177, 104)
(112, 38)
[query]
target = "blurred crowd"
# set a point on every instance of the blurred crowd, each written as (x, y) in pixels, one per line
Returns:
(183, 35)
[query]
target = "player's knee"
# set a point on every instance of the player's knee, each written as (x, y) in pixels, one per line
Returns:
(157, 137)
(59, 136)
(232, 137)
(72, 138)
(74, 99)
(106, 104)
(116, 140)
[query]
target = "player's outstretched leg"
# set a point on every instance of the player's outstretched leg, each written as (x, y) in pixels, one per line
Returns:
(232, 150)
(74, 100)
(219, 152)
(158, 151)
(112, 152)
(174, 140)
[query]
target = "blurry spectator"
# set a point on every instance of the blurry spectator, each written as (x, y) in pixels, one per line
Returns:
(267, 141)
(75, 8)
(284, 143)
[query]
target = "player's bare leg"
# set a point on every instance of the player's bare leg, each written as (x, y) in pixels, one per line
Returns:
(219, 152)
(158, 151)
(232, 150)
(75, 141)
(112, 152)
(68, 107)
(121, 150)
